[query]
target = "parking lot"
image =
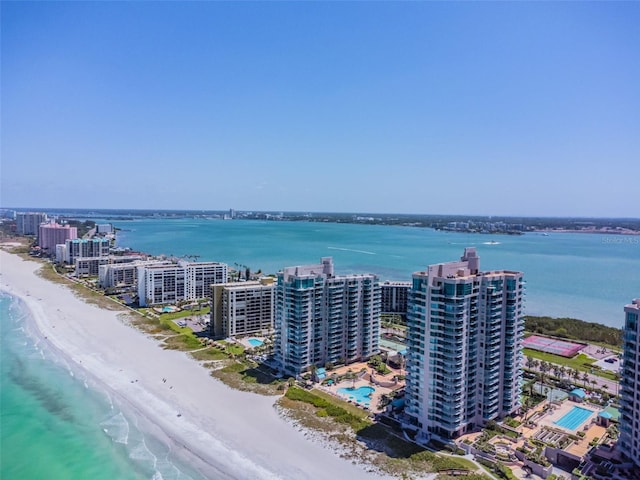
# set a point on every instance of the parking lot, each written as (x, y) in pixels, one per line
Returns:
(195, 323)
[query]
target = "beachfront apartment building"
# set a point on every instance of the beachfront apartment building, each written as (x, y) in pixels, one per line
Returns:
(201, 275)
(242, 308)
(464, 360)
(88, 266)
(629, 440)
(52, 234)
(28, 223)
(122, 271)
(85, 248)
(92, 266)
(322, 318)
(163, 284)
(394, 297)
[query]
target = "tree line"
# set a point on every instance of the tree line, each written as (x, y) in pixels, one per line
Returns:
(574, 329)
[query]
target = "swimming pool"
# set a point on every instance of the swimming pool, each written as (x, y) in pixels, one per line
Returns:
(574, 418)
(255, 342)
(360, 394)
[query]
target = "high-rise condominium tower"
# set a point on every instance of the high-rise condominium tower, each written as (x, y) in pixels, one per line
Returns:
(629, 442)
(465, 329)
(322, 318)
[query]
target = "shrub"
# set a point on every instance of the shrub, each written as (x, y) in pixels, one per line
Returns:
(337, 413)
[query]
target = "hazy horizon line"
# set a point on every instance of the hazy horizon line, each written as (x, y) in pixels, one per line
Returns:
(309, 212)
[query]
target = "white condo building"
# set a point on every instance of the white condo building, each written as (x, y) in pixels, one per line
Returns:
(85, 248)
(122, 271)
(28, 223)
(242, 308)
(161, 284)
(629, 441)
(321, 318)
(464, 361)
(201, 275)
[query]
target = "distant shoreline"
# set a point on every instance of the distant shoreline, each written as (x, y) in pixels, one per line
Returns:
(593, 231)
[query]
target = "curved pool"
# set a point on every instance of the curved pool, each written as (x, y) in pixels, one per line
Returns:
(360, 394)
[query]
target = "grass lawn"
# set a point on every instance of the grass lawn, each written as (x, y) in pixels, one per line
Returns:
(233, 347)
(209, 354)
(582, 363)
(349, 407)
(183, 313)
(183, 342)
(248, 377)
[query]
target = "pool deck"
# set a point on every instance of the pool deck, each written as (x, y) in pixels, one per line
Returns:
(581, 448)
(244, 341)
(561, 410)
(361, 382)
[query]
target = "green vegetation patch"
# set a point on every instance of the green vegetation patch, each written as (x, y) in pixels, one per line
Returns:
(349, 407)
(209, 354)
(574, 329)
(248, 377)
(336, 412)
(581, 362)
(182, 342)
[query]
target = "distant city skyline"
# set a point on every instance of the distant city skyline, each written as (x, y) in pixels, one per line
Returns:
(460, 108)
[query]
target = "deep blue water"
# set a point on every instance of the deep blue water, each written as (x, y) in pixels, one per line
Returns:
(586, 276)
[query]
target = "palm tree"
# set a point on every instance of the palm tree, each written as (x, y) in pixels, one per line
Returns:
(585, 378)
(556, 370)
(544, 368)
(530, 363)
(575, 374)
(617, 377)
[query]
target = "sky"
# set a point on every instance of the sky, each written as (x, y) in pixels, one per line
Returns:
(475, 108)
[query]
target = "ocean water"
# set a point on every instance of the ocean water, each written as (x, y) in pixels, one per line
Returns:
(58, 424)
(585, 276)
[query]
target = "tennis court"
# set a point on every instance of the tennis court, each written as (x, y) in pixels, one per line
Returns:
(552, 345)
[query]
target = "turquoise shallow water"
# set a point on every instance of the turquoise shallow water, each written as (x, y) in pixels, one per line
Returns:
(584, 276)
(56, 424)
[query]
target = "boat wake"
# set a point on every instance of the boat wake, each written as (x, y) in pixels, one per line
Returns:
(352, 250)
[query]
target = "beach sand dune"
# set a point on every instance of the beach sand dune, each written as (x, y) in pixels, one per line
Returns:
(221, 431)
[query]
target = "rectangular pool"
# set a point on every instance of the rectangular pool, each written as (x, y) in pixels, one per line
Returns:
(574, 418)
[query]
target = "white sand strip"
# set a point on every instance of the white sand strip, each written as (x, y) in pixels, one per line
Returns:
(235, 432)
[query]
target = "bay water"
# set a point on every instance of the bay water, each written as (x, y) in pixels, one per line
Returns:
(586, 276)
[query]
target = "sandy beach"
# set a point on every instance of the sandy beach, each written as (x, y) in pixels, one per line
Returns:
(224, 433)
